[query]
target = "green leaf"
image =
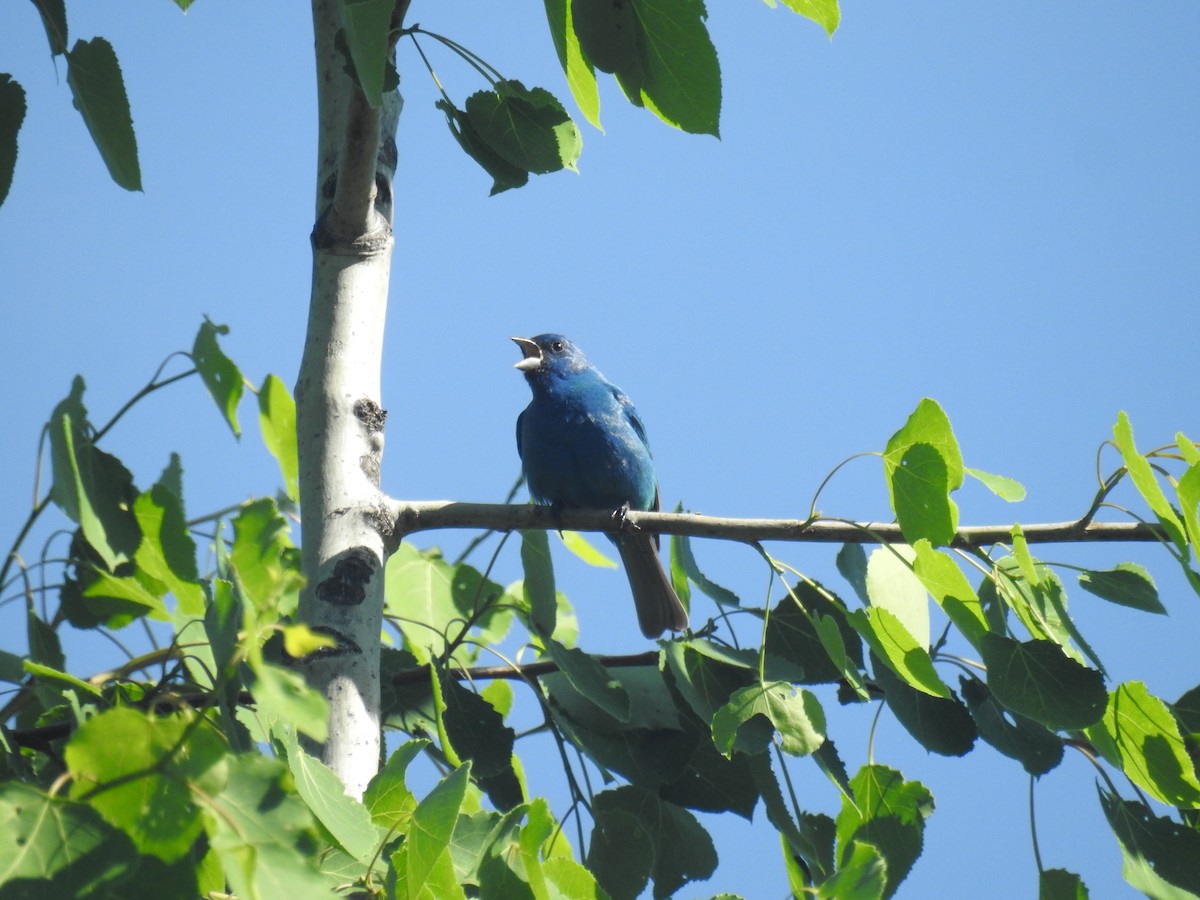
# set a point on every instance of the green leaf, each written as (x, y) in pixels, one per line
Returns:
(539, 580)
(262, 833)
(891, 585)
(99, 90)
(609, 33)
(940, 724)
(920, 490)
(1188, 489)
(277, 421)
(367, 24)
(1004, 488)
(1037, 679)
(586, 550)
(44, 645)
(946, 583)
(808, 629)
(589, 677)
(144, 765)
(897, 649)
(300, 640)
(680, 76)
(264, 560)
(889, 814)
(218, 372)
(683, 548)
(1160, 854)
(795, 713)
(44, 673)
(346, 820)
(704, 676)
(425, 855)
(852, 565)
(387, 797)
(1059, 884)
(527, 128)
(167, 553)
(1144, 479)
(92, 487)
(50, 847)
(580, 76)
(477, 733)
(675, 847)
(54, 19)
(12, 114)
(1127, 584)
(862, 876)
(1153, 753)
(1017, 737)
(504, 174)
(928, 424)
(1025, 561)
(285, 696)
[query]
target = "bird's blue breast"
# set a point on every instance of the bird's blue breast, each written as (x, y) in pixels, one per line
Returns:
(582, 446)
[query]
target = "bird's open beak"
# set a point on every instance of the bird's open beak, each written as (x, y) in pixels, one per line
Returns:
(533, 355)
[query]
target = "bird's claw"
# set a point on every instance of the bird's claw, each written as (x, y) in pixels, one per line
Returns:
(621, 516)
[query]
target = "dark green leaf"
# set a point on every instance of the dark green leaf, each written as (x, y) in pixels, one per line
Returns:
(222, 378)
(145, 764)
(589, 677)
(1187, 710)
(54, 19)
(889, 813)
(940, 724)
(703, 678)
(44, 645)
(793, 635)
(1157, 849)
(852, 564)
(680, 78)
(609, 32)
(1151, 748)
(423, 861)
(99, 90)
(539, 581)
(478, 733)
(1037, 679)
(1128, 584)
(264, 559)
(167, 553)
(1037, 749)
(50, 847)
(92, 487)
(810, 839)
(680, 850)
(12, 114)
(504, 174)
(1059, 884)
(367, 24)
(713, 783)
(527, 128)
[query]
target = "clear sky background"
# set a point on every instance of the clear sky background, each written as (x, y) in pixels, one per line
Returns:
(995, 205)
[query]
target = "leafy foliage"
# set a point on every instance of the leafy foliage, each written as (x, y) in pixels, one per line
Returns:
(197, 778)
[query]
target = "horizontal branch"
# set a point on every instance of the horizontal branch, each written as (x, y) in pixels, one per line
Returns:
(428, 515)
(420, 675)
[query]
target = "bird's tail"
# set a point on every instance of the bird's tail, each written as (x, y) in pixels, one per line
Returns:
(658, 608)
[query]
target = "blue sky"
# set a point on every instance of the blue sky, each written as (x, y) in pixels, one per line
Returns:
(995, 205)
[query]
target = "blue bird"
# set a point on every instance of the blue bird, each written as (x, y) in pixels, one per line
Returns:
(582, 446)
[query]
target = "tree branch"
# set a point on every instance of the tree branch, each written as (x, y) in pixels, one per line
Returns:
(427, 515)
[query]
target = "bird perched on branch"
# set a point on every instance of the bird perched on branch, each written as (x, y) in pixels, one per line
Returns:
(583, 446)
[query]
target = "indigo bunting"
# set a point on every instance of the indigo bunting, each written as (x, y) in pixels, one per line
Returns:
(582, 446)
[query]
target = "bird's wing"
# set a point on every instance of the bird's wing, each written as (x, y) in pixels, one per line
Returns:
(519, 418)
(631, 415)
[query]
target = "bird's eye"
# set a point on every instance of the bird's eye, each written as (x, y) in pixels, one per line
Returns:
(557, 346)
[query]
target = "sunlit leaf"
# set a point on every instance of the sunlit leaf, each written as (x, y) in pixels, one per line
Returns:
(580, 76)
(892, 585)
(277, 420)
(793, 712)
(1153, 753)
(1146, 482)
(218, 372)
(526, 127)
(898, 650)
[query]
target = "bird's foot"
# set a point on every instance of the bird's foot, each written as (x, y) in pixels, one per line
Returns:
(621, 517)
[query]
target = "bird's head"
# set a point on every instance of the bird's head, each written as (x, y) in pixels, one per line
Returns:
(549, 354)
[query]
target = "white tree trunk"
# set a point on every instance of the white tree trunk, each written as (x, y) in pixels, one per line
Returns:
(339, 414)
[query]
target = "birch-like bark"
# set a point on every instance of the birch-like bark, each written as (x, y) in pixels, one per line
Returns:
(339, 413)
